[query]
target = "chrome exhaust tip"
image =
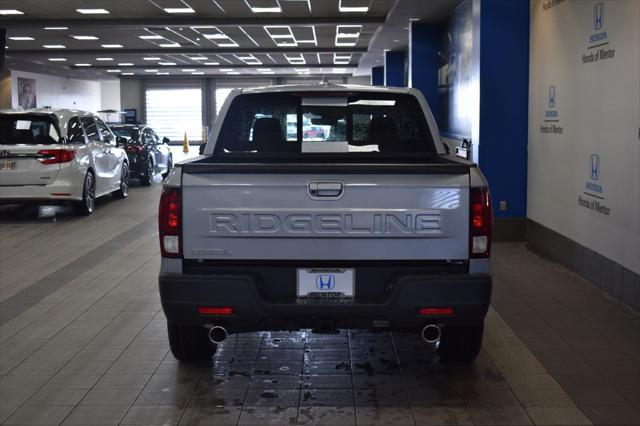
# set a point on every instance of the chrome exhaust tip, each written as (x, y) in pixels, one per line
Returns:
(431, 334)
(217, 334)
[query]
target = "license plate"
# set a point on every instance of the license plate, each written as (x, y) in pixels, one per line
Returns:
(7, 165)
(326, 283)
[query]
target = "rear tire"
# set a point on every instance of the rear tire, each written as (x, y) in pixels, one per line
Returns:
(190, 344)
(147, 178)
(88, 203)
(124, 183)
(461, 344)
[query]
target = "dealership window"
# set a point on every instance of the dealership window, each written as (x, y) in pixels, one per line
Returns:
(221, 96)
(173, 111)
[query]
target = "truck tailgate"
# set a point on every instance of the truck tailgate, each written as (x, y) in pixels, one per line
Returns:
(325, 216)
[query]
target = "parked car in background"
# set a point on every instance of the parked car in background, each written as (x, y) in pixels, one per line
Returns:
(58, 156)
(148, 155)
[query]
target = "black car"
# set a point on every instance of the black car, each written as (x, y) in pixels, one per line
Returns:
(148, 155)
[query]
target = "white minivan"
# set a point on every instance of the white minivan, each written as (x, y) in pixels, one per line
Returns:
(59, 156)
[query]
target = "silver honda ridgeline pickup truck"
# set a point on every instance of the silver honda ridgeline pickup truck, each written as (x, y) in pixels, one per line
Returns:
(325, 207)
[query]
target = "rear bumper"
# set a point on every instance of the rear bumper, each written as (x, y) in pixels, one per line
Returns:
(53, 193)
(468, 294)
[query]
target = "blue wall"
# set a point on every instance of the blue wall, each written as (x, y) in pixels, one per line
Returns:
(458, 75)
(394, 69)
(377, 76)
(424, 40)
(504, 91)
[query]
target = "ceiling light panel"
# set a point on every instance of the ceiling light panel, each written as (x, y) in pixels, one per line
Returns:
(179, 10)
(291, 36)
(151, 37)
(84, 37)
(56, 28)
(21, 38)
(295, 58)
(341, 58)
(353, 6)
(92, 11)
(7, 12)
(249, 59)
(347, 35)
(112, 46)
(54, 46)
(264, 6)
(215, 35)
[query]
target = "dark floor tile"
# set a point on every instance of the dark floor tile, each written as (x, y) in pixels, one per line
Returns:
(386, 381)
(165, 415)
(381, 398)
(326, 367)
(275, 382)
(376, 366)
(277, 355)
(329, 381)
(326, 398)
(620, 415)
(206, 415)
(283, 367)
(327, 355)
(338, 416)
(234, 382)
(500, 416)
(272, 398)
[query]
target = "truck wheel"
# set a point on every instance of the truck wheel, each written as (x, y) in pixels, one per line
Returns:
(189, 344)
(461, 344)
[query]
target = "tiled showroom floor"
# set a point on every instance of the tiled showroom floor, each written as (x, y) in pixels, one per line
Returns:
(83, 341)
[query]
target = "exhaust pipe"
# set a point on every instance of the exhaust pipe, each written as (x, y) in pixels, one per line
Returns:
(217, 334)
(431, 334)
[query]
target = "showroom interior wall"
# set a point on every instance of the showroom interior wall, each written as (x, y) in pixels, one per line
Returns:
(60, 92)
(478, 44)
(110, 94)
(584, 140)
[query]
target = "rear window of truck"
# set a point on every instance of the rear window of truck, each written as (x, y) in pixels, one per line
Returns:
(25, 129)
(345, 125)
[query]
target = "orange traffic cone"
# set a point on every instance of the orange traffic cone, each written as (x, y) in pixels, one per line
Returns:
(185, 143)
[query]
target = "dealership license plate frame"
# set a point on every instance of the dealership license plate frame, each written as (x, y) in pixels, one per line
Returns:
(7, 165)
(343, 286)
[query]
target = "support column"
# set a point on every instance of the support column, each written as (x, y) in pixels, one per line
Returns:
(504, 99)
(377, 76)
(3, 45)
(423, 61)
(394, 74)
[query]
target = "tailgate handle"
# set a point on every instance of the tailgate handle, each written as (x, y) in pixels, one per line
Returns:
(325, 189)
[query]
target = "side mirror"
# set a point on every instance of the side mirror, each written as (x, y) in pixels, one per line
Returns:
(120, 140)
(201, 149)
(446, 148)
(166, 140)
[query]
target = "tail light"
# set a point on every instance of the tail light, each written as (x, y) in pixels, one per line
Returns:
(481, 223)
(169, 218)
(56, 156)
